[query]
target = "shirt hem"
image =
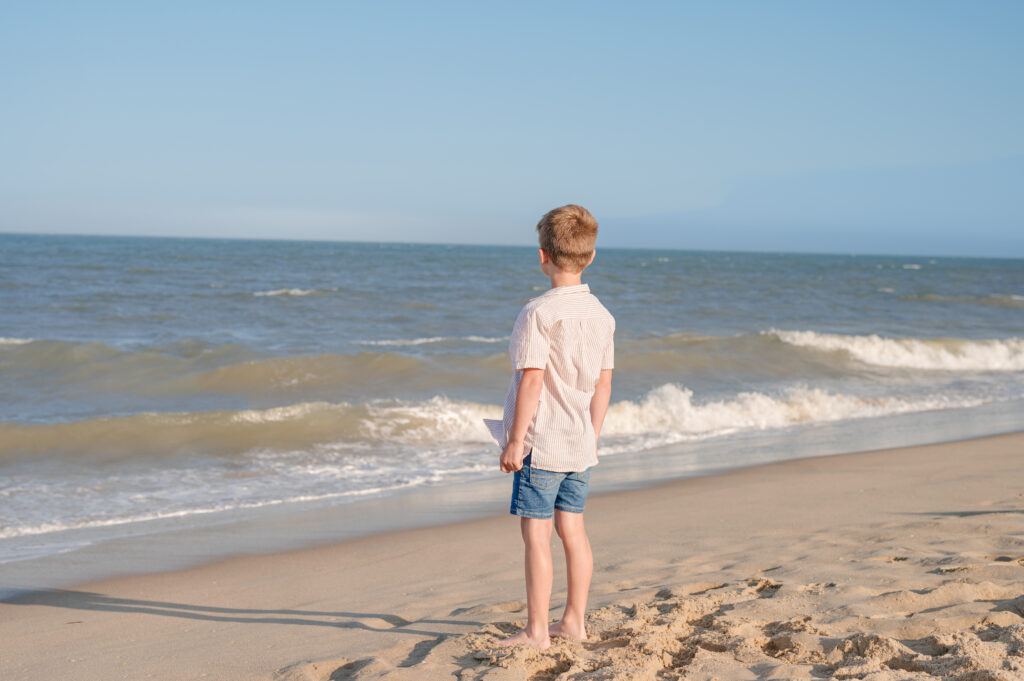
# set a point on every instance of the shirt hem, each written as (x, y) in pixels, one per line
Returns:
(541, 466)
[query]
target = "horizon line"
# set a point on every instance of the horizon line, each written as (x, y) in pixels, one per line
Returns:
(847, 254)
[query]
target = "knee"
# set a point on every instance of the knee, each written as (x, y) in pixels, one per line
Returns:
(570, 531)
(536, 531)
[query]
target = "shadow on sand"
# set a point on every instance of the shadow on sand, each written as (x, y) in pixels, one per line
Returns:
(87, 600)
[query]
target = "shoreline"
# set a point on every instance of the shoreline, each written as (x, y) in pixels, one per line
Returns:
(287, 528)
(407, 597)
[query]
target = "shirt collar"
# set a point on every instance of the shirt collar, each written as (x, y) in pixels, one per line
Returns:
(558, 290)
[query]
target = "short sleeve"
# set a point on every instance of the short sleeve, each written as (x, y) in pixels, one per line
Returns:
(530, 344)
(608, 362)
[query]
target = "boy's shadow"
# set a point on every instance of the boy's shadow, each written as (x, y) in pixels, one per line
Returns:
(87, 600)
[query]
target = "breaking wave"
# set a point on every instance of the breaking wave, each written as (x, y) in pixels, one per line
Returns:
(434, 339)
(948, 354)
(292, 292)
(668, 413)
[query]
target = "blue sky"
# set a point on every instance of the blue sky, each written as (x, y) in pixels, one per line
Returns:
(884, 127)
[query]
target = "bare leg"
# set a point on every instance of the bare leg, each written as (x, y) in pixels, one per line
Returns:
(579, 563)
(537, 538)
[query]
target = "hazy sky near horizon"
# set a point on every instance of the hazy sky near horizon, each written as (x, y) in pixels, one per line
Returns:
(792, 126)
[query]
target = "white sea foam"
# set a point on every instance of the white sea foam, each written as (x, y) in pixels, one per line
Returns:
(950, 354)
(434, 339)
(327, 472)
(15, 341)
(669, 414)
(911, 267)
(287, 292)
(666, 414)
(438, 419)
(290, 412)
(397, 444)
(46, 528)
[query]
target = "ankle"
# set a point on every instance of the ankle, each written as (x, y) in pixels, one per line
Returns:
(572, 613)
(537, 633)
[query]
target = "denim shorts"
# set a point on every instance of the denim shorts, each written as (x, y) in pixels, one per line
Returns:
(536, 493)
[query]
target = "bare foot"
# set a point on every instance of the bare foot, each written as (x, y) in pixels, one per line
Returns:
(522, 638)
(566, 631)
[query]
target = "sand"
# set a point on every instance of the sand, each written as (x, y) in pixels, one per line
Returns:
(895, 564)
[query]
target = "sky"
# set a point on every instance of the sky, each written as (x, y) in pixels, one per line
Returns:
(867, 127)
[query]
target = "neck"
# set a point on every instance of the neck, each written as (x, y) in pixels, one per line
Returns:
(560, 278)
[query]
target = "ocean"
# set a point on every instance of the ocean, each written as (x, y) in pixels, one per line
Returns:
(150, 385)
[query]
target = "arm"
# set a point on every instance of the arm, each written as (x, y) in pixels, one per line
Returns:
(526, 406)
(599, 402)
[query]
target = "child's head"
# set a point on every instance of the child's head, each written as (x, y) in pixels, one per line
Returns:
(568, 235)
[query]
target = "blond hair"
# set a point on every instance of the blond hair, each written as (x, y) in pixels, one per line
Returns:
(568, 235)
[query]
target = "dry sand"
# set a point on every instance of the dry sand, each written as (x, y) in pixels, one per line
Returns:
(897, 564)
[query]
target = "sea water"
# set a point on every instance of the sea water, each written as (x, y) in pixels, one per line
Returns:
(156, 384)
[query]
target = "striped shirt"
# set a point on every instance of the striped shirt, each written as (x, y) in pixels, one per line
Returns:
(567, 332)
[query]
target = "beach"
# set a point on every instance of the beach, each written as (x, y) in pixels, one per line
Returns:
(891, 564)
(241, 459)
(278, 284)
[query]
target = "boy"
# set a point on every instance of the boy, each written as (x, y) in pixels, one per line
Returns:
(562, 357)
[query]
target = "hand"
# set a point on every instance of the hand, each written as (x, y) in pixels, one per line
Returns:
(512, 457)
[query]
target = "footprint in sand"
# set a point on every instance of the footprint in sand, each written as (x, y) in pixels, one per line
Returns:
(817, 588)
(765, 588)
(952, 568)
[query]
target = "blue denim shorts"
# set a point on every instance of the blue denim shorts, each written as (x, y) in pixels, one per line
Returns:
(536, 493)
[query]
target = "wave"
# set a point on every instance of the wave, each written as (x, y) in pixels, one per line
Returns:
(287, 292)
(216, 462)
(995, 300)
(669, 413)
(666, 414)
(48, 527)
(434, 339)
(192, 367)
(167, 377)
(62, 364)
(15, 341)
(948, 354)
(228, 433)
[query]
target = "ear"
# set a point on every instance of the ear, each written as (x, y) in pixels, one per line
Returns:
(592, 256)
(543, 255)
